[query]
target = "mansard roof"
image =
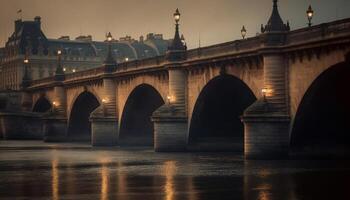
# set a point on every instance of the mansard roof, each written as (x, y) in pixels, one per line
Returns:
(71, 48)
(29, 36)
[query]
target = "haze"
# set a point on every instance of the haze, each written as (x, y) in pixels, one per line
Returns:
(214, 21)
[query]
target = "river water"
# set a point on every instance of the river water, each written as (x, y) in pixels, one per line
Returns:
(141, 174)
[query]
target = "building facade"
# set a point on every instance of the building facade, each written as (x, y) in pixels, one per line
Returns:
(29, 41)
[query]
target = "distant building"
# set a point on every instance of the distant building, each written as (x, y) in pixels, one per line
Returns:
(79, 54)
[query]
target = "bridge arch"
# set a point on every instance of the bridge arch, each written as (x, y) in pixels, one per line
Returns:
(74, 93)
(215, 122)
(135, 126)
(79, 126)
(321, 124)
(42, 105)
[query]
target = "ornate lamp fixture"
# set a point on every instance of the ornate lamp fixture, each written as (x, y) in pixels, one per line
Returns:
(310, 15)
(243, 32)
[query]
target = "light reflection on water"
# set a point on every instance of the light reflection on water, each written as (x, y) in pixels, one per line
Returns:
(169, 171)
(104, 182)
(143, 174)
(55, 179)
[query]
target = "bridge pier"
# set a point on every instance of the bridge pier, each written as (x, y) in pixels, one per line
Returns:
(170, 120)
(267, 121)
(26, 101)
(55, 122)
(55, 129)
(170, 130)
(104, 131)
(104, 121)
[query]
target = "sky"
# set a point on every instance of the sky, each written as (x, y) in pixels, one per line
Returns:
(208, 21)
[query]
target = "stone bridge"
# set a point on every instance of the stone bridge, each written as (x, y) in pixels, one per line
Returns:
(282, 91)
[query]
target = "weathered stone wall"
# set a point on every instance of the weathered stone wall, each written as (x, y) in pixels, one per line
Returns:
(304, 70)
(48, 94)
(20, 126)
(198, 78)
(125, 87)
(74, 92)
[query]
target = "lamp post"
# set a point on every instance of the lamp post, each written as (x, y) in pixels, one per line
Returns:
(59, 70)
(310, 15)
(109, 40)
(26, 72)
(26, 77)
(109, 63)
(243, 32)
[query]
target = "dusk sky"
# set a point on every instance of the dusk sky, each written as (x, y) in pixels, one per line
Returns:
(216, 21)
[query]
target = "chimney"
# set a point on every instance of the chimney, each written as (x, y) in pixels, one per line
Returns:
(37, 19)
(141, 38)
(18, 24)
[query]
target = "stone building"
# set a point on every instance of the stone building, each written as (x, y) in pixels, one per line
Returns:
(28, 40)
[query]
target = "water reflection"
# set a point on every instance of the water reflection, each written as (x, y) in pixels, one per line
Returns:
(104, 182)
(169, 171)
(264, 186)
(134, 176)
(55, 179)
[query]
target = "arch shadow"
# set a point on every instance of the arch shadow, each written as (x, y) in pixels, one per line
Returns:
(136, 127)
(215, 123)
(321, 126)
(79, 126)
(42, 105)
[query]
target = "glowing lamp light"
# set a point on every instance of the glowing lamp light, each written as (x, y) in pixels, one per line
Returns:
(55, 103)
(310, 12)
(104, 100)
(26, 61)
(73, 70)
(183, 39)
(170, 98)
(59, 52)
(109, 37)
(64, 69)
(126, 59)
(310, 15)
(177, 16)
(266, 92)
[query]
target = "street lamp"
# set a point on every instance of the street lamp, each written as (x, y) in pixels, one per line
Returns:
(59, 69)
(183, 39)
(59, 53)
(310, 15)
(26, 77)
(109, 63)
(243, 32)
(109, 37)
(177, 16)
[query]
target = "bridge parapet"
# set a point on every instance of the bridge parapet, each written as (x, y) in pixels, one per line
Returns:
(140, 64)
(84, 74)
(43, 81)
(239, 47)
(319, 32)
(234, 47)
